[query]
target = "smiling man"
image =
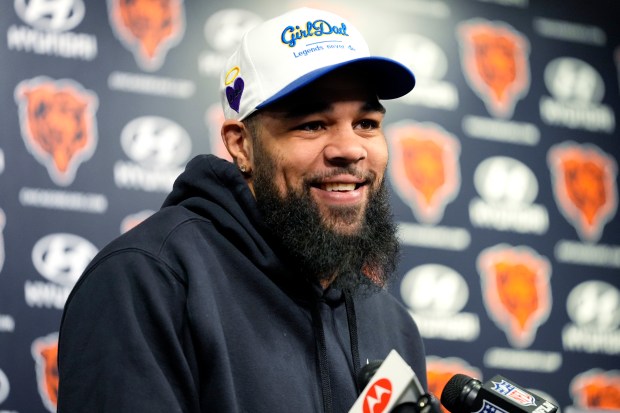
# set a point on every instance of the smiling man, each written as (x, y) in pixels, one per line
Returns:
(260, 284)
(315, 161)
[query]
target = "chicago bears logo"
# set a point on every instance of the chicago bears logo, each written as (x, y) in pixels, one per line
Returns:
(58, 124)
(516, 290)
(597, 389)
(494, 58)
(584, 186)
(148, 28)
(45, 352)
(424, 167)
(440, 370)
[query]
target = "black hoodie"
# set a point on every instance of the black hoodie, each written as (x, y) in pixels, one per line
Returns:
(195, 310)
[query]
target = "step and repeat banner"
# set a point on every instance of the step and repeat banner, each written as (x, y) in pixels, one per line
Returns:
(503, 174)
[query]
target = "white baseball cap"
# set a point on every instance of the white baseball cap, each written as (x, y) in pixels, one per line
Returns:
(287, 52)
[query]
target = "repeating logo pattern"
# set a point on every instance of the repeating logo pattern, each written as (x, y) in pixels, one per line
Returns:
(516, 290)
(436, 295)
(58, 124)
(72, 106)
(223, 31)
(54, 15)
(574, 81)
(584, 182)
(5, 387)
(45, 353)
(593, 306)
(577, 90)
(495, 61)
(507, 189)
(2, 224)
(156, 142)
(430, 65)
(224, 28)
(61, 258)
(424, 167)
(149, 29)
(157, 148)
(434, 290)
(617, 61)
(49, 30)
(596, 389)
(440, 370)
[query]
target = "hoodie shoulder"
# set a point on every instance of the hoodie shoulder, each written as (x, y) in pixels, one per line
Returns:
(150, 237)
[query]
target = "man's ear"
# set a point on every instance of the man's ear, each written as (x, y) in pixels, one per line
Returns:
(238, 143)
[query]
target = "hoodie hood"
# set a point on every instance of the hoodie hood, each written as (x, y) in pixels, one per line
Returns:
(214, 189)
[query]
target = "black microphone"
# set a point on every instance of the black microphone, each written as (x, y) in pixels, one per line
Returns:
(464, 394)
(392, 386)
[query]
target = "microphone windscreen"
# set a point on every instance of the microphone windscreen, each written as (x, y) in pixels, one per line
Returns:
(452, 395)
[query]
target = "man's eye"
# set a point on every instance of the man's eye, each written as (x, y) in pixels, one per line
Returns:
(368, 124)
(310, 126)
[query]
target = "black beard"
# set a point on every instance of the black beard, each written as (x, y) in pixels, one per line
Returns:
(360, 263)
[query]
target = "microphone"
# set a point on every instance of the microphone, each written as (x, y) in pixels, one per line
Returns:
(464, 394)
(392, 386)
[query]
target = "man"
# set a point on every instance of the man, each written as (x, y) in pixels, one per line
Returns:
(259, 285)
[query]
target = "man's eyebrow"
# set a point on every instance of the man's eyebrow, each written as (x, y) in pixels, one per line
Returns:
(308, 108)
(373, 106)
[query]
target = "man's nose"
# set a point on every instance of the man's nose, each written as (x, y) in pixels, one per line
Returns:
(345, 147)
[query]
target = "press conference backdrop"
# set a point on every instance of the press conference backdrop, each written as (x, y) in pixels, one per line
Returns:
(503, 176)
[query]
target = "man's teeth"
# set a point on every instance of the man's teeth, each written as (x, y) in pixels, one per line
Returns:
(339, 187)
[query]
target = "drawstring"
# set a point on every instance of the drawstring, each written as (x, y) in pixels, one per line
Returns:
(326, 386)
(322, 349)
(352, 322)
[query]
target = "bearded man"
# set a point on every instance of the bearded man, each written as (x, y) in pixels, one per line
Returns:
(260, 284)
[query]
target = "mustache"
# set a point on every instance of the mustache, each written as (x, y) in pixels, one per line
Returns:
(318, 177)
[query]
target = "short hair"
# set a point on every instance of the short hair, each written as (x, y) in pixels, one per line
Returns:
(252, 124)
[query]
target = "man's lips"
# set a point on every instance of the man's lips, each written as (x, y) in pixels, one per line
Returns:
(339, 186)
(340, 190)
(343, 183)
(340, 183)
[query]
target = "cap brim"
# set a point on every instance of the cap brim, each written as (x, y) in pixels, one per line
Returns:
(389, 78)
